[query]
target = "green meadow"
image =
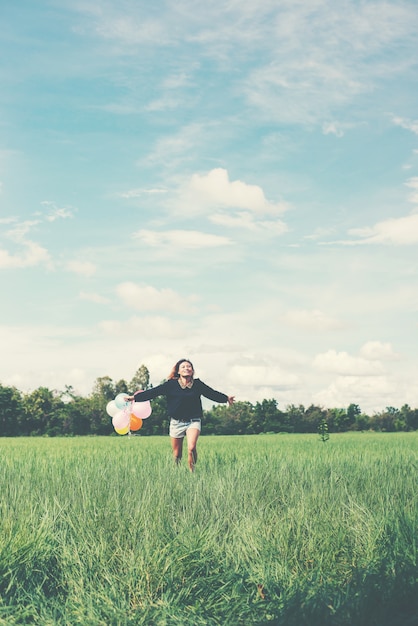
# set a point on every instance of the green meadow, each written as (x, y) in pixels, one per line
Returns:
(270, 529)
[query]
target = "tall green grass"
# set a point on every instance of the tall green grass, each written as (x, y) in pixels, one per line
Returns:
(270, 529)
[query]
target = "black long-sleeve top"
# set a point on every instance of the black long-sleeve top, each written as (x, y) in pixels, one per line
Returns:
(183, 404)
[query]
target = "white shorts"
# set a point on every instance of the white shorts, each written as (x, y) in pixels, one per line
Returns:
(178, 428)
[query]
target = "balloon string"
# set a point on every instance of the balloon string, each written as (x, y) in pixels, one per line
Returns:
(130, 413)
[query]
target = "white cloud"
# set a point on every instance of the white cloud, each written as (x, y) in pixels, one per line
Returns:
(214, 190)
(328, 52)
(320, 232)
(171, 151)
(148, 298)
(327, 56)
(30, 255)
(111, 327)
(93, 297)
(411, 125)
(246, 221)
(337, 128)
(333, 128)
(311, 320)
(20, 230)
(137, 193)
(163, 104)
(56, 212)
(186, 239)
(149, 326)
(362, 390)
(31, 355)
(262, 376)
(344, 364)
(85, 268)
(376, 350)
(175, 81)
(304, 90)
(396, 231)
(134, 30)
(401, 231)
(412, 183)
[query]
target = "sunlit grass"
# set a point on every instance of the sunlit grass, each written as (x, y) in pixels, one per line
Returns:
(280, 529)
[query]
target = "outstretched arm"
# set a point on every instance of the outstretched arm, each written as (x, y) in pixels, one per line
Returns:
(211, 394)
(149, 394)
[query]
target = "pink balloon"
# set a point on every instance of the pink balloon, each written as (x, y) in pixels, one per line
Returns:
(121, 419)
(141, 409)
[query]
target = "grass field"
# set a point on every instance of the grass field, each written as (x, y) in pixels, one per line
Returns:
(270, 529)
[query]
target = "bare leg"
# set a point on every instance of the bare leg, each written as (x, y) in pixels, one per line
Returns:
(177, 446)
(192, 437)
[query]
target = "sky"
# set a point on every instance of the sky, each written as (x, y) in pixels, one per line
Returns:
(231, 182)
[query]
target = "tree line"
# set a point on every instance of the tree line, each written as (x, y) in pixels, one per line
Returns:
(45, 412)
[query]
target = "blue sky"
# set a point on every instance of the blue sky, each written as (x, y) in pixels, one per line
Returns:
(231, 182)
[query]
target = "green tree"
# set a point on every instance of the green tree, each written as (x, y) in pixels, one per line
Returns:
(353, 411)
(121, 386)
(239, 416)
(341, 420)
(267, 417)
(296, 418)
(11, 412)
(44, 412)
(410, 417)
(77, 417)
(385, 420)
(218, 422)
(362, 422)
(140, 379)
(312, 418)
(336, 419)
(222, 419)
(104, 390)
(407, 418)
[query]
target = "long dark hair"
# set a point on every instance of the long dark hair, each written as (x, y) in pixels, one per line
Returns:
(175, 371)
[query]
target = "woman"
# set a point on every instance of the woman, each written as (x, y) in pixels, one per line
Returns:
(183, 393)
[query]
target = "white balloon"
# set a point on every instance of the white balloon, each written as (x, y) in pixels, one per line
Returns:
(111, 408)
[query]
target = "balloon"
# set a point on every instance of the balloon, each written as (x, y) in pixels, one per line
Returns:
(121, 419)
(122, 431)
(111, 408)
(136, 422)
(120, 401)
(141, 409)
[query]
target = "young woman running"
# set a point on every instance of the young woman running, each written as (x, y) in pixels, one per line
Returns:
(183, 393)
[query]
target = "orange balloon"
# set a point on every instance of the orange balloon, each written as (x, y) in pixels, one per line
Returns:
(136, 422)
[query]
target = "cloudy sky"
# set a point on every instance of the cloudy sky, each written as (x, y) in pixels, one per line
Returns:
(234, 182)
